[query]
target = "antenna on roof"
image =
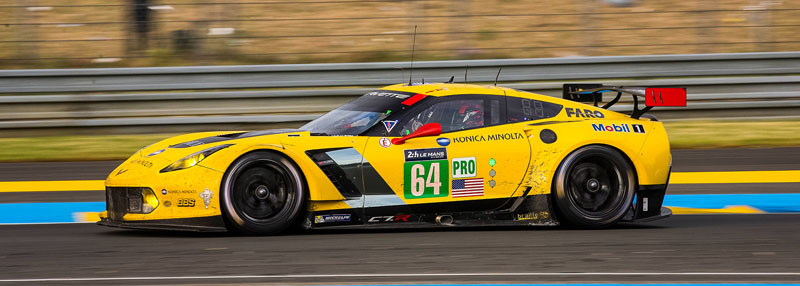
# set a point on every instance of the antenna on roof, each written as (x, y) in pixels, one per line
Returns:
(413, 45)
(498, 76)
(466, 70)
(452, 79)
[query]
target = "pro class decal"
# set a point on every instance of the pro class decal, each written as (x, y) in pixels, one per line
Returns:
(426, 173)
(465, 167)
(586, 113)
(622, 128)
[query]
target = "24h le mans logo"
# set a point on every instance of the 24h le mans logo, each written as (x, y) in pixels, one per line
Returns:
(427, 173)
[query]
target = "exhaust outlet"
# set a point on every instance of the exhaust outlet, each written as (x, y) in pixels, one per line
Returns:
(444, 220)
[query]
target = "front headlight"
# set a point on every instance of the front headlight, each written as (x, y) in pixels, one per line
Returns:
(141, 200)
(194, 159)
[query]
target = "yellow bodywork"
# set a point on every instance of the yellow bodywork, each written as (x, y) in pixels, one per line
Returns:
(520, 159)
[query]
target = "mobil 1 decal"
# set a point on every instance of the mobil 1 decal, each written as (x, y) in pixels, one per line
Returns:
(426, 173)
(621, 128)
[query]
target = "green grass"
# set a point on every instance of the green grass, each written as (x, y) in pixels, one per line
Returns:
(730, 134)
(75, 148)
(683, 135)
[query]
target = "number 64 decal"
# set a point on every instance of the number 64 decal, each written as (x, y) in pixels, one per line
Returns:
(426, 179)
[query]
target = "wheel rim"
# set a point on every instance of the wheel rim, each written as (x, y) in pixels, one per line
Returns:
(596, 187)
(262, 192)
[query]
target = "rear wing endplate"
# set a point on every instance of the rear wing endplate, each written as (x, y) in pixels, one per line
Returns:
(654, 96)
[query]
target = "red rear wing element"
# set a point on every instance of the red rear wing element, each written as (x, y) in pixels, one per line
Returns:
(665, 97)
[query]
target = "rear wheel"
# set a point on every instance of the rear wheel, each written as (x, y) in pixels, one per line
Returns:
(262, 194)
(594, 187)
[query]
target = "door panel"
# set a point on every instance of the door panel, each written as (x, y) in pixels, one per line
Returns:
(476, 164)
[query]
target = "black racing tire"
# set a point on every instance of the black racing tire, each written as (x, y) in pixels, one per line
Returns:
(262, 193)
(594, 187)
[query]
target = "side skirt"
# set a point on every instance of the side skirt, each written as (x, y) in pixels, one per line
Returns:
(534, 210)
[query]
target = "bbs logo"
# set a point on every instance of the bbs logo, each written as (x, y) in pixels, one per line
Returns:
(185, 203)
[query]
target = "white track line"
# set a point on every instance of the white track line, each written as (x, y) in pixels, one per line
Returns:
(409, 275)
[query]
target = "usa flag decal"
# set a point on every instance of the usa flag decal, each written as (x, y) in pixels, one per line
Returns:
(467, 188)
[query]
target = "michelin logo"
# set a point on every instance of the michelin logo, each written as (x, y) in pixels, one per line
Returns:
(624, 128)
(332, 218)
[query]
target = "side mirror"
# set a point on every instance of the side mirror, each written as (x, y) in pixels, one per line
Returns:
(430, 129)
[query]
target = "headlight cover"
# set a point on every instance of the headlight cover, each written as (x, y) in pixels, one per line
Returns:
(194, 159)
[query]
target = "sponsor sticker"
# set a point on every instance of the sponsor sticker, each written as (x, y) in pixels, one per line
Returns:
(390, 218)
(144, 163)
(443, 141)
(332, 218)
(389, 124)
(637, 128)
(185, 203)
(425, 154)
(164, 192)
(388, 94)
(586, 113)
(621, 128)
(472, 187)
(490, 137)
(533, 216)
(385, 142)
(465, 167)
(426, 173)
(206, 196)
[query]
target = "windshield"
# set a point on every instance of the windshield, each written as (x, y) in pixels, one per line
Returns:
(359, 115)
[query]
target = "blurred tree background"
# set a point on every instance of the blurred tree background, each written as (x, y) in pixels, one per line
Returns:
(132, 33)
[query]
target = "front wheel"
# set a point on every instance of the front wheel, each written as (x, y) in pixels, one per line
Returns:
(594, 187)
(262, 194)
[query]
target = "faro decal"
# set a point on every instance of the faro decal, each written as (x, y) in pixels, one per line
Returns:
(586, 113)
(623, 128)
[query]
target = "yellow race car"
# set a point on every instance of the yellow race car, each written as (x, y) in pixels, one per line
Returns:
(411, 155)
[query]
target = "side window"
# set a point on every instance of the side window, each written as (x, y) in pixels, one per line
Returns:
(523, 109)
(453, 115)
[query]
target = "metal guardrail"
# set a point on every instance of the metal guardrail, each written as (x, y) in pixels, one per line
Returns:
(83, 100)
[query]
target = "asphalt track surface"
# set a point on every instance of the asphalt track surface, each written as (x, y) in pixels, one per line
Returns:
(731, 244)
(703, 160)
(688, 248)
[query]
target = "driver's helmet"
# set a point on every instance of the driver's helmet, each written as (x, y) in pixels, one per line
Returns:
(471, 115)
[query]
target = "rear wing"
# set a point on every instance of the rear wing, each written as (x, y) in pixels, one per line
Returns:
(661, 96)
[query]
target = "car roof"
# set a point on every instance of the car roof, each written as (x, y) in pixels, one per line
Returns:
(451, 89)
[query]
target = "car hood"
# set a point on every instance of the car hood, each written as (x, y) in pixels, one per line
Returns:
(175, 148)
